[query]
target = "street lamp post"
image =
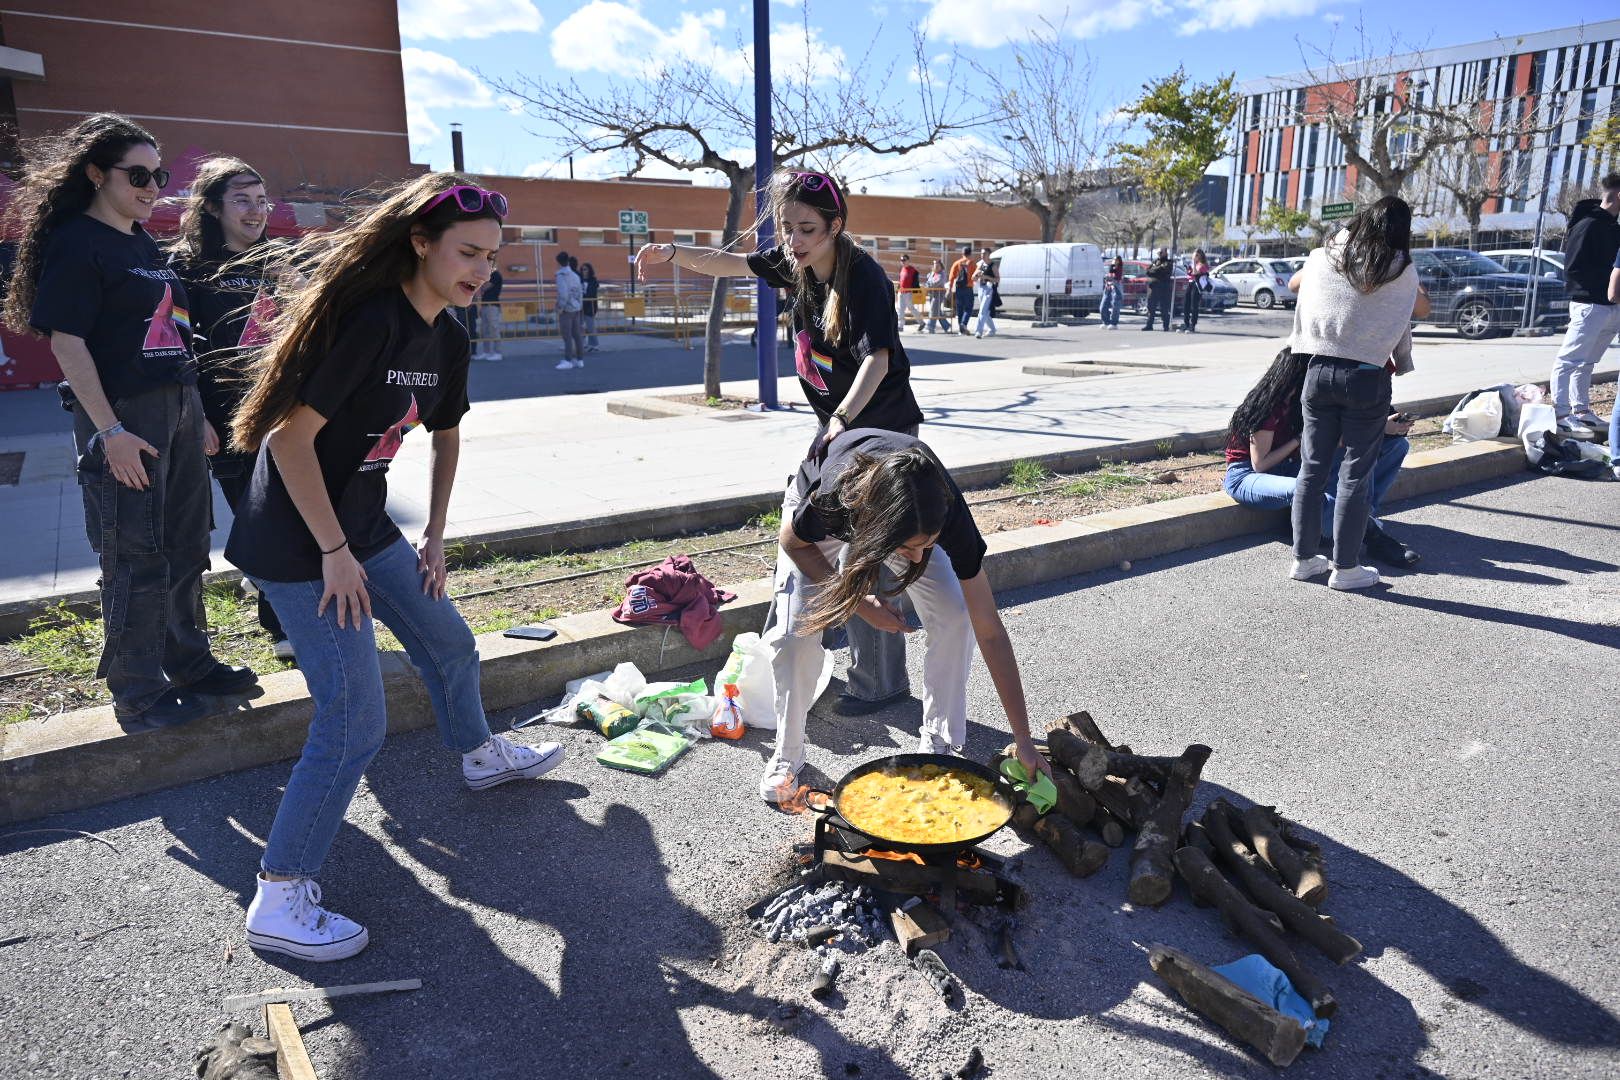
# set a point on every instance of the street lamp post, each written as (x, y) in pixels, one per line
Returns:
(1554, 101)
(764, 162)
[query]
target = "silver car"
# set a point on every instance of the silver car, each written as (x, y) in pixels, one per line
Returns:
(1261, 281)
(1548, 263)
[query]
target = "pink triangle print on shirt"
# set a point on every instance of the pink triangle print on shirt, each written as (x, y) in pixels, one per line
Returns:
(256, 331)
(389, 442)
(163, 330)
(809, 362)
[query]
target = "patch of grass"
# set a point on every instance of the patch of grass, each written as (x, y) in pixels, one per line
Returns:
(1100, 482)
(714, 402)
(499, 619)
(224, 605)
(770, 520)
(64, 643)
(1165, 447)
(1028, 475)
(16, 714)
(545, 613)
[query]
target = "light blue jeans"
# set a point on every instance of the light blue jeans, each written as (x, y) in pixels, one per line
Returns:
(1110, 305)
(1275, 490)
(987, 319)
(344, 674)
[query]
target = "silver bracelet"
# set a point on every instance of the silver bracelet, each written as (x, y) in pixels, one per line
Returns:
(105, 433)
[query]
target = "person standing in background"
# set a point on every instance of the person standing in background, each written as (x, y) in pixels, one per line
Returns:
(1197, 285)
(961, 284)
(1113, 292)
(984, 279)
(1590, 248)
(1161, 277)
(907, 303)
(89, 277)
(232, 304)
(570, 318)
(935, 283)
(489, 319)
(587, 311)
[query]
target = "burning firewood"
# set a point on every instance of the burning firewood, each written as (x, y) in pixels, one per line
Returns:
(1304, 875)
(1297, 915)
(1245, 1017)
(1152, 867)
(1244, 918)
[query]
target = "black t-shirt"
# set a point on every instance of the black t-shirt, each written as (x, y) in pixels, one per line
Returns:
(230, 314)
(387, 372)
(959, 536)
(113, 290)
(827, 370)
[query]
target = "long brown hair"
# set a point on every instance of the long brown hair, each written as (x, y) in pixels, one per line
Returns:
(201, 237)
(881, 503)
(56, 186)
(826, 198)
(341, 268)
(1377, 245)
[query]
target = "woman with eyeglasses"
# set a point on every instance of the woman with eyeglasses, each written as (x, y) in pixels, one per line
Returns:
(360, 355)
(850, 360)
(232, 299)
(90, 278)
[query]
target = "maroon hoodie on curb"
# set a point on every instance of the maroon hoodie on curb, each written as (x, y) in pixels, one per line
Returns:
(674, 592)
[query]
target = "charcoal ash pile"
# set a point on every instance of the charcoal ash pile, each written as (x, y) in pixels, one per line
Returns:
(814, 913)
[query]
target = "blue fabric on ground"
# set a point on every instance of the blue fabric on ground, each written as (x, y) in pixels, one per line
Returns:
(1261, 978)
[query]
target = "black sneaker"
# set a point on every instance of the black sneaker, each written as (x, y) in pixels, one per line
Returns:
(1386, 549)
(171, 710)
(223, 681)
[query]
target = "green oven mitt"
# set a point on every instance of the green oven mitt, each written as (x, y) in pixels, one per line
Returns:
(1042, 794)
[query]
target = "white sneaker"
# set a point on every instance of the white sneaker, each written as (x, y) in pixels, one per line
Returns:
(1591, 420)
(780, 782)
(1574, 428)
(500, 759)
(1305, 569)
(283, 650)
(1356, 577)
(493, 358)
(287, 917)
(930, 743)
(564, 364)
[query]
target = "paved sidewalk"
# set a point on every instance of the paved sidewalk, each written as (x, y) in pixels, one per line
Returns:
(528, 462)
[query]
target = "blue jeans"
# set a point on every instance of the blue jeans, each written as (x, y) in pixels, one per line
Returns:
(1110, 306)
(1275, 490)
(964, 306)
(344, 674)
(987, 318)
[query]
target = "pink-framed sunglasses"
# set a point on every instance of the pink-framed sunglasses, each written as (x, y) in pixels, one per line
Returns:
(814, 181)
(470, 200)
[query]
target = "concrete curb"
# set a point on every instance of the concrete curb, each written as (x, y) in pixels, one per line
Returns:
(83, 758)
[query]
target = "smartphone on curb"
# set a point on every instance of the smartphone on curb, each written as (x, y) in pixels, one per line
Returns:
(531, 633)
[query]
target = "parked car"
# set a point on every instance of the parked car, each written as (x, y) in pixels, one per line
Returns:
(1217, 302)
(1480, 298)
(1262, 282)
(1073, 273)
(1521, 260)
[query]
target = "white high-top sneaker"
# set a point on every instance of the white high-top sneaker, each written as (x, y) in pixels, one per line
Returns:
(500, 759)
(287, 917)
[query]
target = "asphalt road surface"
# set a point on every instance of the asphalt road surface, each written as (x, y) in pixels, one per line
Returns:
(1448, 738)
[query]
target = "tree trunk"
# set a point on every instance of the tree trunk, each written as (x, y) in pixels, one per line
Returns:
(712, 342)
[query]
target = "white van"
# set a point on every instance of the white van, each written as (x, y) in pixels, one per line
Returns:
(1072, 272)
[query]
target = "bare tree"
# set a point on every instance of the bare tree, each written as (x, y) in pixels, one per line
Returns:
(686, 116)
(1116, 216)
(1047, 144)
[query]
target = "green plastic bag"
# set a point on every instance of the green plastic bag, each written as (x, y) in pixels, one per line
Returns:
(645, 750)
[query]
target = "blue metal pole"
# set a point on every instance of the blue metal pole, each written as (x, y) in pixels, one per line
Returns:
(764, 163)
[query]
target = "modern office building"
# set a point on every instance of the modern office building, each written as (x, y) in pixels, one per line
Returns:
(1571, 76)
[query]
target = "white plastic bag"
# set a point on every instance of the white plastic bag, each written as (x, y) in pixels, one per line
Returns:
(749, 669)
(1535, 422)
(1480, 417)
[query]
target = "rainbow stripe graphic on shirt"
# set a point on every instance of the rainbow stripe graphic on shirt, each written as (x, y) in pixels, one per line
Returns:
(810, 363)
(163, 329)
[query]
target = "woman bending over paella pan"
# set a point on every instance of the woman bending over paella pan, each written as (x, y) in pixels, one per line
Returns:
(876, 497)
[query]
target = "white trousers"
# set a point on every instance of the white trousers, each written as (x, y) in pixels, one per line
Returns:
(906, 305)
(1591, 328)
(796, 659)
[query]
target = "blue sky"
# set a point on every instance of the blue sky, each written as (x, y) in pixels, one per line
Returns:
(448, 43)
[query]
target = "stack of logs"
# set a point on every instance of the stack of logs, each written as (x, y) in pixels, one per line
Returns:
(1106, 792)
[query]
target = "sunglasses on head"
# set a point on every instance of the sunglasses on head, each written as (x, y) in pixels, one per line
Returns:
(814, 181)
(140, 175)
(470, 200)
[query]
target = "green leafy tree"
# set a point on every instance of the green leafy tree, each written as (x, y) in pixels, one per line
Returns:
(1284, 221)
(1188, 128)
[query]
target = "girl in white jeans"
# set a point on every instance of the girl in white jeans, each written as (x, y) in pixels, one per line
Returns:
(875, 498)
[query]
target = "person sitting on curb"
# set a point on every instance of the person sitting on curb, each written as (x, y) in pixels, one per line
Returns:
(1262, 456)
(880, 497)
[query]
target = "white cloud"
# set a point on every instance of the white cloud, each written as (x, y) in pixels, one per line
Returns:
(435, 81)
(1240, 14)
(467, 18)
(617, 39)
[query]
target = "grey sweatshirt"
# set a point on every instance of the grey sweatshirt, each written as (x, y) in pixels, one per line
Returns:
(1334, 318)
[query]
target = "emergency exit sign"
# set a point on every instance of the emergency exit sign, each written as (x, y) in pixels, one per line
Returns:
(1338, 211)
(633, 222)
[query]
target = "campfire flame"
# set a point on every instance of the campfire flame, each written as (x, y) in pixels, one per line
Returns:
(791, 798)
(969, 861)
(894, 856)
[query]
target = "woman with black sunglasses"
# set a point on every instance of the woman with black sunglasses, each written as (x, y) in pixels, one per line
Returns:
(358, 357)
(850, 360)
(89, 277)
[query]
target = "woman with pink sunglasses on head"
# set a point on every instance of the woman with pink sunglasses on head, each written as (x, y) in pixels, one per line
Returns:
(361, 354)
(848, 354)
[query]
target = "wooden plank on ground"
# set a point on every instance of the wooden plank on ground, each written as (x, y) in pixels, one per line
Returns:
(292, 1060)
(243, 1002)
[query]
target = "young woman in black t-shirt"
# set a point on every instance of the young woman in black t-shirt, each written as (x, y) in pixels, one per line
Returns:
(359, 355)
(881, 499)
(89, 277)
(847, 352)
(232, 299)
